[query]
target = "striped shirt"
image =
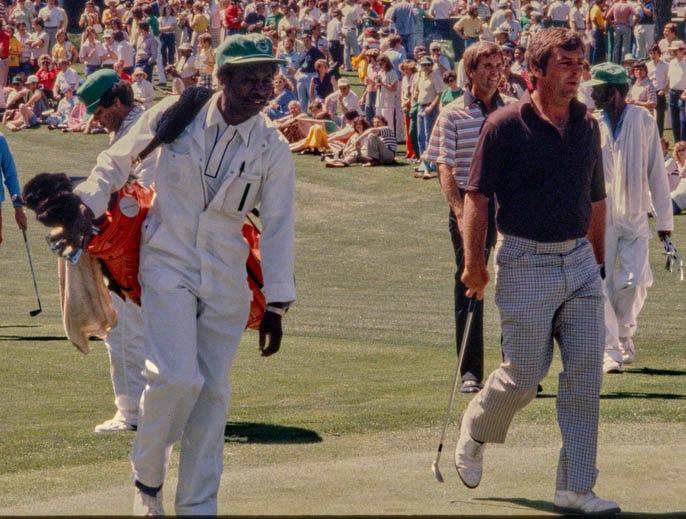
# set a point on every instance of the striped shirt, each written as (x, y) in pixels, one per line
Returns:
(456, 133)
(388, 137)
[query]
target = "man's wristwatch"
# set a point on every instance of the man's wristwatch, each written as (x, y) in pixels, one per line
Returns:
(277, 310)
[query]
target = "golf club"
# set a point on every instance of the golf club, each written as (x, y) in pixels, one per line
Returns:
(32, 313)
(458, 369)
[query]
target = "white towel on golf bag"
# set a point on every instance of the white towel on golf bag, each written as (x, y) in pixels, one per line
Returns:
(85, 301)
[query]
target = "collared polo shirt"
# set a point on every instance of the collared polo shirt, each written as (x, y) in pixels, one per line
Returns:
(544, 183)
(455, 134)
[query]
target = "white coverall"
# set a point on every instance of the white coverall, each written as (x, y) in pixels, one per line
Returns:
(193, 276)
(634, 170)
(125, 344)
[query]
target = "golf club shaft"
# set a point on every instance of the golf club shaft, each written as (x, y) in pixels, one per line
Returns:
(461, 355)
(33, 273)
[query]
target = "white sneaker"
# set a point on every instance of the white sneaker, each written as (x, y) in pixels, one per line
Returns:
(587, 503)
(469, 458)
(116, 424)
(611, 365)
(145, 505)
(628, 350)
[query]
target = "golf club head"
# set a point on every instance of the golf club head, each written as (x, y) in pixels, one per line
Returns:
(34, 313)
(437, 472)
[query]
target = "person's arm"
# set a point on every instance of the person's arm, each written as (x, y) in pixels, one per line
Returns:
(311, 91)
(9, 172)
(659, 184)
(596, 231)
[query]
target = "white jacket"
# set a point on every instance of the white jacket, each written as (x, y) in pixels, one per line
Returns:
(634, 170)
(198, 245)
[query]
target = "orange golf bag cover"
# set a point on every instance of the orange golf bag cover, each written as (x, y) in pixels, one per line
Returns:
(117, 244)
(255, 281)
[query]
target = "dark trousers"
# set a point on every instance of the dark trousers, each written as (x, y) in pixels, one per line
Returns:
(336, 50)
(660, 110)
(473, 364)
(168, 48)
(598, 51)
(676, 114)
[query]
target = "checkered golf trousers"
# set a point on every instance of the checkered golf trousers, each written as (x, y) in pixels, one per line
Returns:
(547, 291)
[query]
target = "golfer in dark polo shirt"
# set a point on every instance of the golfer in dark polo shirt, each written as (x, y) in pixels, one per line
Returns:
(541, 158)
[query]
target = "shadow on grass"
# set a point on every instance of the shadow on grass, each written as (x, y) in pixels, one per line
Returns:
(249, 432)
(29, 338)
(548, 507)
(619, 395)
(656, 372)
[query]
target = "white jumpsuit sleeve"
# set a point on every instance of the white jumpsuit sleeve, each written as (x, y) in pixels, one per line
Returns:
(277, 213)
(657, 180)
(114, 164)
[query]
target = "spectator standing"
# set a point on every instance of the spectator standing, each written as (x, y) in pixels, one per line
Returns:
(642, 92)
(388, 97)
(352, 17)
(25, 57)
(469, 26)
(558, 13)
(323, 83)
(125, 52)
(676, 76)
(334, 35)
(371, 83)
(146, 48)
(215, 22)
(54, 19)
(598, 26)
(89, 18)
(644, 30)
(307, 72)
(205, 60)
(20, 12)
(14, 55)
(167, 36)
(4, 55)
(110, 56)
(290, 59)
(452, 91)
(38, 42)
(66, 77)
(428, 91)
(184, 72)
(669, 33)
(9, 177)
(658, 73)
(91, 52)
(621, 15)
(63, 48)
(233, 16)
(408, 68)
(200, 22)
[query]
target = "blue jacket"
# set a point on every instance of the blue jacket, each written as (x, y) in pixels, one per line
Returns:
(8, 173)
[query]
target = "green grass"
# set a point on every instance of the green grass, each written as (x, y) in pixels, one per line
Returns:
(364, 369)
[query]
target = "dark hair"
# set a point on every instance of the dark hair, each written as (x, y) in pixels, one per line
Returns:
(351, 115)
(545, 41)
(119, 36)
(671, 27)
(478, 50)
(144, 26)
(122, 91)
(655, 48)
(39, 21)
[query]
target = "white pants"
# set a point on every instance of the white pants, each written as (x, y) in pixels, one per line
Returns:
(645, 38)
(190, 345)
(126, 348)
(396, 121)
(627, 278)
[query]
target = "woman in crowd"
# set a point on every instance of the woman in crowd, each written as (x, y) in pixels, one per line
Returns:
(143, 91)
(168, 35)
(388, 96)
(60, 118)
(427, 94)
(452, 91)
(46, 75)
(371, 83)
(38, 42)
(283, 95)
(90, 18)
(63, 48)
(353, 150)
(91, 52)
(408, 69)
(14, 57)
(205, 60)
(324, 82)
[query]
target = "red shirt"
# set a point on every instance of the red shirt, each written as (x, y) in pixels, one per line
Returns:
(46, 78)
(5, 42)
(124, 76)
(378, 8)
(233, 17)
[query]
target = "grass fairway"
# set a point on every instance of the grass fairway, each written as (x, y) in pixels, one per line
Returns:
(346, 418)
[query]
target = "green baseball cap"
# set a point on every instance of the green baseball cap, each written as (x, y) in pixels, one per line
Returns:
(245, 49)
(607, 74)
(95, 85)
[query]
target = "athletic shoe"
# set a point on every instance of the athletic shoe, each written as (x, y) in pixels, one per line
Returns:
(586, 503)
(611, 365)
(469, 458)
(628, 350)
(145, 505)
(116, 424)
(471, 386)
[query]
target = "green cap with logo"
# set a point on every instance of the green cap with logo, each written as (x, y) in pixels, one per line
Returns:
(246, 49)
(95, 86)
(607, 74)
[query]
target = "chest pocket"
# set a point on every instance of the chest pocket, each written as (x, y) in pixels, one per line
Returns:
(240, 196)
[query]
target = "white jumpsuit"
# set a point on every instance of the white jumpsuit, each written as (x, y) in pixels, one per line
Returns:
(195, 294)
(125, 344)
(634, 171)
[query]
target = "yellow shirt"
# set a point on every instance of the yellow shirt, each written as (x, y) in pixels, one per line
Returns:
(597, 18)
(206, 59)
(62, 50)
(471, 26)
(14, 52)
(200, 23)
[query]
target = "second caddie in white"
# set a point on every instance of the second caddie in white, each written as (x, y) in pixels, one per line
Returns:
(195, 296)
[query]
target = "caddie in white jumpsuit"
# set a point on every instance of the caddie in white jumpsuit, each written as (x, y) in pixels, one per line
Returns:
(634, 173)
(125, 344)
(195, 296)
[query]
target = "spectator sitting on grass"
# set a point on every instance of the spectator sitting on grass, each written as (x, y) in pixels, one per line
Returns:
(29, 114)
(46, 75)
(121, 71)
(60, 118)
(143, 91)
(368, 146)
(283, 92)
(297, 124)
(66, 76)
(321, 139)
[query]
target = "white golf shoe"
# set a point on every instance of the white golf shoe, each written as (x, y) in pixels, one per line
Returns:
(628, 350)
(117, 424)
(586, 503)
(611, 365)
(145, 505)
(469, 458)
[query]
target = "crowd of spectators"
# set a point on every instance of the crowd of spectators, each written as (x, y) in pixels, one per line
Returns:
(406, 55)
